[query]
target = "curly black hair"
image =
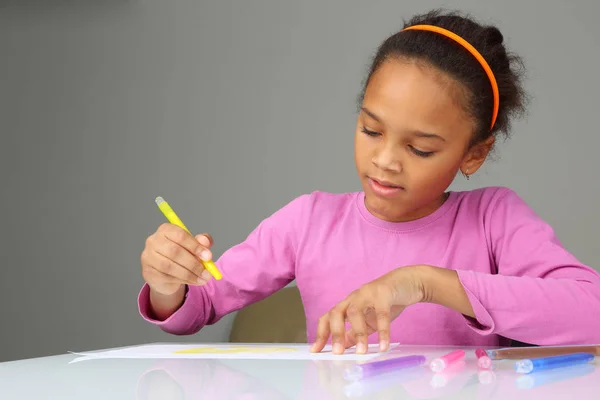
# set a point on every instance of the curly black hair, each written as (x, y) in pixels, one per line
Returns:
(452, 58)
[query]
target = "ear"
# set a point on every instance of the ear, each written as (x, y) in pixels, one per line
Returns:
(476, 155)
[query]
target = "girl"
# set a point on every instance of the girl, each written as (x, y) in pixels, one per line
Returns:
(404, 258)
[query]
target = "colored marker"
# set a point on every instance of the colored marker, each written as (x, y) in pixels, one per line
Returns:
(483, 360)
(174, 219)
(441, 363)
(365, 370)
(541, 364)
(519, 353)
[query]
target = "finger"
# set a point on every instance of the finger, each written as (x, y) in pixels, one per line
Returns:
(322, 334)
(205, 240)
(350, 340)
(383, 320)
(173, 251)
(185, 240)
(171, 268)
(154, 276)
(338, 328)
(356, 317)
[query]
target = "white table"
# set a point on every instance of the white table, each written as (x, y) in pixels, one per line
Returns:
(54, 378)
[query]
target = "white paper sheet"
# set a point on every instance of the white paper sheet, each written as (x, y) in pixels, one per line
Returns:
(228, 351)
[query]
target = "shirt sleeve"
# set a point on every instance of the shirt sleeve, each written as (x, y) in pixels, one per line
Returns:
(541, 294)
(252, 270)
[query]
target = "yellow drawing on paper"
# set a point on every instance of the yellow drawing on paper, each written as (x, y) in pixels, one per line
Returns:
(236, 350)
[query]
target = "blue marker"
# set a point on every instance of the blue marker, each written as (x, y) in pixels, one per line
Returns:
(539, 364)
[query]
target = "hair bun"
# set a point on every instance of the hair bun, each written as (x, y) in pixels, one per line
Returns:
(494, 36)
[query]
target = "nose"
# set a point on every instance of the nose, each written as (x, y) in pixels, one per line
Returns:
(387, 158)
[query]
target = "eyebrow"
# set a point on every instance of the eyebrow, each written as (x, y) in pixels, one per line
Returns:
(416, 133)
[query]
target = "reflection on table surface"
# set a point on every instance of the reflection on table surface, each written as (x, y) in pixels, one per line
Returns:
(170, 379)
(210, 379)
(249, 379)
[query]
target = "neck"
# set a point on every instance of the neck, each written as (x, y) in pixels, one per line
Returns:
(414, 214)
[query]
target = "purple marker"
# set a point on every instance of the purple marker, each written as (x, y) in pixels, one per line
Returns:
(361, 371)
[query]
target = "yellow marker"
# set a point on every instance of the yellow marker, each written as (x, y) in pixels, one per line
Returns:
(174, 219)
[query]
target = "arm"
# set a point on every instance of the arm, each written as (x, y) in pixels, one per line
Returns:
(162, 306)
(541, 294)
(442, 286)
(252, 270)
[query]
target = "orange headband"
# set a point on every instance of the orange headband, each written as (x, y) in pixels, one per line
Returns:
(475, 53)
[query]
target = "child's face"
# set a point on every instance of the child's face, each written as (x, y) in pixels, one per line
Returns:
(417, 137)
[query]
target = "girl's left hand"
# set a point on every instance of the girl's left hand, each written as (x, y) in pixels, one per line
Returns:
(370, 309)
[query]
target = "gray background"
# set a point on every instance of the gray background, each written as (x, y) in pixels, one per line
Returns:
(229, 109)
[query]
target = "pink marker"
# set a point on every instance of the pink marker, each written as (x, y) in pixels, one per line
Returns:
(441, 363)
(483, 360)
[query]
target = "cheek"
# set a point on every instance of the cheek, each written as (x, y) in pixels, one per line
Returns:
(362, 150)
(431, 175)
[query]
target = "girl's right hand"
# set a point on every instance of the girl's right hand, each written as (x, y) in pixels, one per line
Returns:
(172, 257)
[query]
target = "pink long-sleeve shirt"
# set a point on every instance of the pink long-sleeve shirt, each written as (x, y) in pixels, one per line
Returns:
(521, 282)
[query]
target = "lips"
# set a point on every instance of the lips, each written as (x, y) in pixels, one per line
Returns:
(386, 184)
(383, 188)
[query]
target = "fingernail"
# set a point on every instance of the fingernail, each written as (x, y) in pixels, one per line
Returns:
(383, 345)
(201, 281)
(338, 348)
(360, 348)
(203, 240)
(205, 255)
(206, 275)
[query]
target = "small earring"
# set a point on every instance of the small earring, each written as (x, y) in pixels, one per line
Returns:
(467, 174)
